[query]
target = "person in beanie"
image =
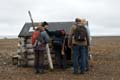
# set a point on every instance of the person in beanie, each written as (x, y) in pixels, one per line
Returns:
(45, 25)
(57, 42)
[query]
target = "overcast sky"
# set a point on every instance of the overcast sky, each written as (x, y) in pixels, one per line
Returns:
(103, 15)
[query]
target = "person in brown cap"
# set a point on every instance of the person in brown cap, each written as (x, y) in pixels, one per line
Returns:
(78, 41)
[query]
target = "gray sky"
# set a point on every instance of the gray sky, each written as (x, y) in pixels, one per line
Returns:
(103, 15)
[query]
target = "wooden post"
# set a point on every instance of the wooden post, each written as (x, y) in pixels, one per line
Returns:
(31, 20)
(49, 57)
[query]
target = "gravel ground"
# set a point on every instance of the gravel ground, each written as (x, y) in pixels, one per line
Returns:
(106, 63)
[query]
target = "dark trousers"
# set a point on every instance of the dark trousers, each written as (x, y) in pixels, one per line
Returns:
(68, 53)
(87, 57)
(39, 60)
(60, 58)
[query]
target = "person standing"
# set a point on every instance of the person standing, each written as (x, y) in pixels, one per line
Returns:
(40, 49)
(87, 47)
(78, 41)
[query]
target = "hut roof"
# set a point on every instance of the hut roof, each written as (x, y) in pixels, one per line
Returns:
(27, 28)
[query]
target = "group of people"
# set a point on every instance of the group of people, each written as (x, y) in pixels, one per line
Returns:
(76, 42)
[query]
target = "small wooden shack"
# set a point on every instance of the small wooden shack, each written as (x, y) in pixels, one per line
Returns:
(25, 50)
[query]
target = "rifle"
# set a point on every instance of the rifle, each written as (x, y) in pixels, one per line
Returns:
(31, 20)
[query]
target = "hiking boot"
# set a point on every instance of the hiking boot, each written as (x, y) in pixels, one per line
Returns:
(87, 70)
(75, 73)
(81, 72)
(37, 72)
(42, 71)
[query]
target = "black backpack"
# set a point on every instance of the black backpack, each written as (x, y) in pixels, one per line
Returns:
(80, 33)
(59, 33)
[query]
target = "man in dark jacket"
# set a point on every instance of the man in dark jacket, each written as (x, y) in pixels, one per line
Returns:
(58, 39)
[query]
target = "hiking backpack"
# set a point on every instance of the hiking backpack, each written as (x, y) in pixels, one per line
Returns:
(59, 37)
(35, 36)
(37, 43)
(80, 33)
(59, 33)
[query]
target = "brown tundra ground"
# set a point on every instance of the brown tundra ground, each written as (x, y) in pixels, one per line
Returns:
(106, 63)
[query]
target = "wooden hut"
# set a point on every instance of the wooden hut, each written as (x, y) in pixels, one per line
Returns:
(25, 50)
